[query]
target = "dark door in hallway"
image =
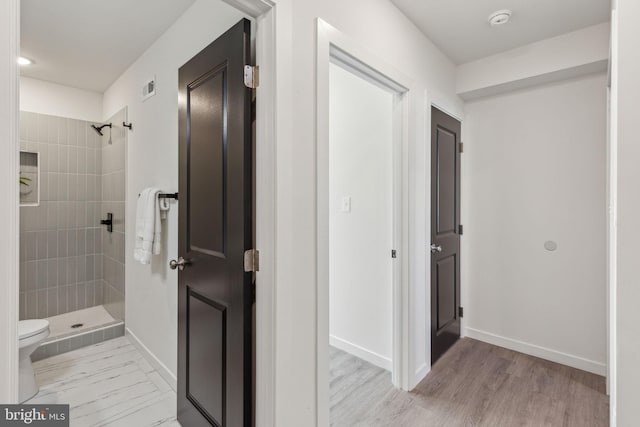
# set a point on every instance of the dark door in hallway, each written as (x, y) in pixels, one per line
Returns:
(445, 232)
(215, 226)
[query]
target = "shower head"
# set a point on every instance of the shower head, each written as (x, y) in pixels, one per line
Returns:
(99, 128)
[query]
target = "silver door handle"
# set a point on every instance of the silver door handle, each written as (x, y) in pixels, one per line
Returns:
(435, 248)
(180, 264)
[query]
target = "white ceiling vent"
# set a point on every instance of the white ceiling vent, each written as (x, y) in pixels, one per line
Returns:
(499, 17)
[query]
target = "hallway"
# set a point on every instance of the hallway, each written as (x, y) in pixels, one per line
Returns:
(474, 384)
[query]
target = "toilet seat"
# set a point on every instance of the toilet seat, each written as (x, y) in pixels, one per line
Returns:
(31, 327)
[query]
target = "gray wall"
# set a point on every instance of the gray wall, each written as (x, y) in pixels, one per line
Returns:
(113, 200)
(61, 239)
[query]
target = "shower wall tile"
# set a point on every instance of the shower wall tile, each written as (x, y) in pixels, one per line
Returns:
(42, 303)
(32, 305)
(22, 310)
(52, 302)
(111, 157)
(61, 241)
(63, 299)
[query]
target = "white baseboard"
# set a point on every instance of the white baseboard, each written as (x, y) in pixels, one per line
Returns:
(419, 375)
(162, 369)
(361, 352)
(538, 351)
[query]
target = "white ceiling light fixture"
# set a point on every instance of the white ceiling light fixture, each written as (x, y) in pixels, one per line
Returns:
(499, 17)
(24, 60)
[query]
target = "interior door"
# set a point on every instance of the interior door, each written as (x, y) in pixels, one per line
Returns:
(214, 291)
(445, 232)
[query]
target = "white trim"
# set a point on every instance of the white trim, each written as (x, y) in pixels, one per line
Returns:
(162, 369)
(422, 371)
(612, 218)
(266, 241)
(9, 215)
(361, 352)
(253, 8)
(265, 13)
(538, 351)
(335, 46)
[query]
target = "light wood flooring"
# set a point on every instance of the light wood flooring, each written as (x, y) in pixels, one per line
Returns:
(474, 384)
(106, 384)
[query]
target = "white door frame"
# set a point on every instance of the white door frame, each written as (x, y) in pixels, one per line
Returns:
(265, 12)
(9, 214)
(612, 218)
(335, 47)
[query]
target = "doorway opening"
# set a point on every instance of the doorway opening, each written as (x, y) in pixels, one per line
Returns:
(362, 208)
(361, 254)
(147, 136)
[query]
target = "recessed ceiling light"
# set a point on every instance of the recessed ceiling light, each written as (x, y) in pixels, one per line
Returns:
(499, 17)
(24, 61)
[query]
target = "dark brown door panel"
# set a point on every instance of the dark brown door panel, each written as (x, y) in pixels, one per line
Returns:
(445, 237)
(214, 291)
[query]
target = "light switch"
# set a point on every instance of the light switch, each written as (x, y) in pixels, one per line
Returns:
(346, 204)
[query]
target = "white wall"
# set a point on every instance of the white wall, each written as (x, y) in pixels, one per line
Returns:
(360, 280)
(627, 93)
(534, 170)
(39, 96)
(577, 53)
(381, 28)
(151, 291)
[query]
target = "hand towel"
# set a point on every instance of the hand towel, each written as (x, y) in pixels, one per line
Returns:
(148, 226)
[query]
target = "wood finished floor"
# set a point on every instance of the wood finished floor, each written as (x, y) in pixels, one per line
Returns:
(474, 384)
(106, 384)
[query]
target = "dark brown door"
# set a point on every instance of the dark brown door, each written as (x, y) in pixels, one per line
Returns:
(445, 236)
(214, 292)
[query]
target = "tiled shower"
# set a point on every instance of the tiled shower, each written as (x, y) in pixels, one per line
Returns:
(71, 177)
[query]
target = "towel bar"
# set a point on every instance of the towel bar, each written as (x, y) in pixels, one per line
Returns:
(166, 196)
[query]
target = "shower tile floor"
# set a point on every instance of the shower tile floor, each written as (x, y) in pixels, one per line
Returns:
(106, 384)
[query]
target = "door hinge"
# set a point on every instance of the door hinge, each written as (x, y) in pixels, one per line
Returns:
(461, 147)
(251, 75)
(460, 312)
(251, 261)
(460, 230)
(394, 254)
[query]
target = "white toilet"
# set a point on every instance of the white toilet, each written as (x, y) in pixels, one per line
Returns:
(30, 333)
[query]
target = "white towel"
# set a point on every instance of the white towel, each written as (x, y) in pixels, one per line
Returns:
(148, 226)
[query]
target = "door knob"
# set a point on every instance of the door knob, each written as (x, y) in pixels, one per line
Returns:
(180, 264)
(435, 248)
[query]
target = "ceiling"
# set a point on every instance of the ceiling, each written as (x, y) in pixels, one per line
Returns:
(88, 44)
(460, 28)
